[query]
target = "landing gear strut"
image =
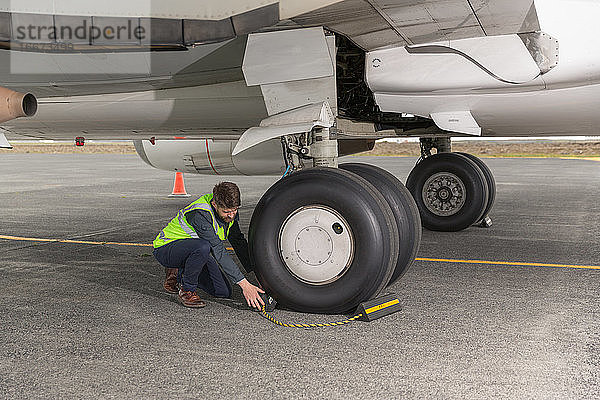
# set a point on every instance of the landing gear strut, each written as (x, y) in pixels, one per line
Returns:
(441, 144)
(316, 148)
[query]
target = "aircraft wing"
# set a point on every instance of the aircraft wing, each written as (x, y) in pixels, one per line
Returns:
(376, 23)
(370, 24)
(94, 65)
(186, 74)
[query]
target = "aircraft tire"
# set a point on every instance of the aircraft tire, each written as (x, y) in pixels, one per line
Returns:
(404, 208)
(323, 240)
(450, 191)
(489, 178)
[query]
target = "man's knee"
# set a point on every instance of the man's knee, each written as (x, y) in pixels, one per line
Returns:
(201, 246)
(161, 256)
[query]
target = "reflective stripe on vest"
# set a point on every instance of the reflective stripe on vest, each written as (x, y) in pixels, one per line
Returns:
(178, 227)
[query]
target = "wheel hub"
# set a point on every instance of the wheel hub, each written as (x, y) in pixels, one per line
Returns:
(444, 194)
(313, 245)
(316, 244)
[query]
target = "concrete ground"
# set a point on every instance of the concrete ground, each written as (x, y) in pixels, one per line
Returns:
(84, 320)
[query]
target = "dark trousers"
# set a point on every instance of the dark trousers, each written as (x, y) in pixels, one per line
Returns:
(197, 267)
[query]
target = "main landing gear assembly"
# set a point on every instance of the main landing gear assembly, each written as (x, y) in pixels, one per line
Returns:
(327, 238)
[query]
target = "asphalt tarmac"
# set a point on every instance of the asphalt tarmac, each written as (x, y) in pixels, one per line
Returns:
(92, 321)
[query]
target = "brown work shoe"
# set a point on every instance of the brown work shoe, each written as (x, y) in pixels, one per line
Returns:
(190, 299)
(170, 284)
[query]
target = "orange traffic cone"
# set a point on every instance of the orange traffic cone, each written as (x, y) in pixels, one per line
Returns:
(179, 186)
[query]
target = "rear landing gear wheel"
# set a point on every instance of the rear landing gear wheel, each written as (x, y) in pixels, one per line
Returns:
(404, 208)
(491, 182)
(450, 191)
(323, 240)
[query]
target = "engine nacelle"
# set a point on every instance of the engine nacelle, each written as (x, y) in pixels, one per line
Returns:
(14, 104)
(212, 157)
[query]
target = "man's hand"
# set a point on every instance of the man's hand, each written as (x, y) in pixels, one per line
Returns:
(251, 293)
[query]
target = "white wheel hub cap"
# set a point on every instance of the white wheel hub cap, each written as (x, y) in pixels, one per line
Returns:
(444, 194)
(316, 244)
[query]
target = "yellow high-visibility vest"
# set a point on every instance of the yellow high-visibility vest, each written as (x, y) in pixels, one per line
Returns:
(179, 228)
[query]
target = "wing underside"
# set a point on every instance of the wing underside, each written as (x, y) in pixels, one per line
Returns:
(369, 23)
(203, 44)
(373, 24)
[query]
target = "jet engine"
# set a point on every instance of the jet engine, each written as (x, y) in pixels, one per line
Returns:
(14, 104)
(213, 157)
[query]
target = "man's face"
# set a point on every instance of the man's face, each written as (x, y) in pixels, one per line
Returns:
(225, 214)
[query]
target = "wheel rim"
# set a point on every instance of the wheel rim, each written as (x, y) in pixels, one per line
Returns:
(316, 244)
(444, 194)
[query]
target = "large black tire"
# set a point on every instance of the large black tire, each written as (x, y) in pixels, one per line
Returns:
(404, 208)
(450, 191)
(370, 235)
(489, 178)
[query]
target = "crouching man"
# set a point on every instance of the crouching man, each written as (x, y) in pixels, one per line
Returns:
(191, 249)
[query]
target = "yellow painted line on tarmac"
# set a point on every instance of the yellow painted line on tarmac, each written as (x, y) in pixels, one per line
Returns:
(446, 260)
(29, 239)
(511, 263)
(581, 158)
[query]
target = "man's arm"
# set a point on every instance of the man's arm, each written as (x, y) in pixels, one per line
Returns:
(240, 245)
(203, 226)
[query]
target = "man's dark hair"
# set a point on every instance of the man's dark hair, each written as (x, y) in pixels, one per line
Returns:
(226, 195)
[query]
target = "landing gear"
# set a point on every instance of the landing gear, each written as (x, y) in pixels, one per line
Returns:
(485, 221)
(450, 198)
(404, 208)
(450, 190)
(324, 240)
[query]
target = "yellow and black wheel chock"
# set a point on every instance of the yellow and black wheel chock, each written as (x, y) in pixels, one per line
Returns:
(366, 311)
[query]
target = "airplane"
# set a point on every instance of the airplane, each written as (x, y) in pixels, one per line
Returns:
(287, 87)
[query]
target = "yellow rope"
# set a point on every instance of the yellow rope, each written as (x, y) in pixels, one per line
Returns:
(268, 316)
